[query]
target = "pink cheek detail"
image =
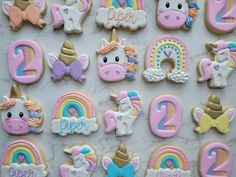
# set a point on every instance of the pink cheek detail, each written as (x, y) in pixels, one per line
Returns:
(16, 126)
(171, 19)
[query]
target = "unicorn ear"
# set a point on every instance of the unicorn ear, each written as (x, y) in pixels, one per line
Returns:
(135, 162)
(41, 4)
(6, 6)
(68, 150)
(104, 43)
(122, 43)
(198, 114)
(84, 61)
(106, 162)
(23, 98)
(230, 114)
(52, 58)
(5, 99)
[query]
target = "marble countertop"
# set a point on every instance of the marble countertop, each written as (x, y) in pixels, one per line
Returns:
(142, 142)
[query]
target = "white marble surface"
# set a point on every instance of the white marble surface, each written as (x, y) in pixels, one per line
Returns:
(142, 142)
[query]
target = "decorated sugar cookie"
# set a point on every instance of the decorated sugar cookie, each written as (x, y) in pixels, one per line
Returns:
(71, 15)
(25, 61)
(68, 63)
(74, 113)
(169, 49)
(22, 11)
(168, 161)
(220, 16)
(122, 13)
(176, 14)
(165, 116)
(129, 109)
(23, 158)
(216, 159)
(121, 164)
(217, 69)
(20, 115)
(116, 60)
(83, 164)
(214, 115)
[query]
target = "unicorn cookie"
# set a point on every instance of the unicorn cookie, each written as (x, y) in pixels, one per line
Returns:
(168, 161)
(20, 115)
(213, 116)
(71, 15)
(24, 158)
(129, 109)
(68, 63)
(116, 60)
(217, 69)
(83, 164)
(169, 49)
(176, 14)
(121, 164)
(25, 11)
(121, 13)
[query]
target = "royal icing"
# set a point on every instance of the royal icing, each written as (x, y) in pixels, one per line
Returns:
(68, 63)
(129, 109)
(71, 15)
(169, 49)
(217, 69)
(84, 160)
(175, 14)
(19, 114)
(216, 160)
(166, 116)
(168, 161)
(25, 11)
(116, 60)
(121, 13)
(221, 15)
(213, 116)
(121, 164)
(23, 159)
(25, 61)
(74, 113)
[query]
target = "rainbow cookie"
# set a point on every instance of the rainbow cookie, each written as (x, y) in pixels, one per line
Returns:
(121, 13)
(168, 161)
(20, 115)
(74, 113)
(83, 164)
(169, 49)
(23, 158)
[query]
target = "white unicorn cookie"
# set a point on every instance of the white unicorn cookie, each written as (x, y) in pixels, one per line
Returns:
(71, 15)
(217, 69)
(129, 109)
(83, 164)
(19, 114)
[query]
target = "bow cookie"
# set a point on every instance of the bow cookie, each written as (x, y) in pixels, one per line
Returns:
(213, 116)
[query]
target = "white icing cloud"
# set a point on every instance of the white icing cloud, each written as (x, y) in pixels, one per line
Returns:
(153, 75)
(178, 76)
(168, 173)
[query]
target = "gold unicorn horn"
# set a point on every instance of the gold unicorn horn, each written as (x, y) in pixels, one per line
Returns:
(121, 157)
(22, 4)
(15, 91)
(68, 53)
(213, 108)
(114, 36)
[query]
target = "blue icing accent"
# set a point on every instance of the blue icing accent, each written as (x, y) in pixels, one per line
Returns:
(24, 153)
(132, 94)
(76, 106)
(132, 60)
(116, 4)
(193, 5)
(126, 171)
(169, 158)
(232, 45)
(160, 126)
(129, 76)
(85, 150)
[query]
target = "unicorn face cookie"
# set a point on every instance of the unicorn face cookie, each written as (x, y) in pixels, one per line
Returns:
(169, 49)
(121, 164)
(68, 63)
(168, 161)
(121, 13)
(129, 109)
(213, 116)
(176, 14)
(71, 15)
(25, 11)
(116, 60)
(19, 114)
(83, 164)
(74, 113)
(217, 69)
(23, 158)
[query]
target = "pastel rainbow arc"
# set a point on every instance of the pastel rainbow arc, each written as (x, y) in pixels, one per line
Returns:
(136, 4)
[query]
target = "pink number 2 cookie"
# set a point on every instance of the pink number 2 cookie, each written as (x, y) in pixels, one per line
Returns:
(25, 61)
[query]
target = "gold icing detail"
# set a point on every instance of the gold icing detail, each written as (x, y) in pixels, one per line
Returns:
(22, 4)
(15, 91)
(213, 108)
(68, 53)
(114, 36)
(121, 157)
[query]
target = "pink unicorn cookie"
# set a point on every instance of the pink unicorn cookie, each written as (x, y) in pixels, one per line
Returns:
(20, 115)
(217, 69)
(71, 15)
(25, 11)
(129, 109)
(68, 63)
(83, 164)
(116, 60)
(176, 14)
(215, 159)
